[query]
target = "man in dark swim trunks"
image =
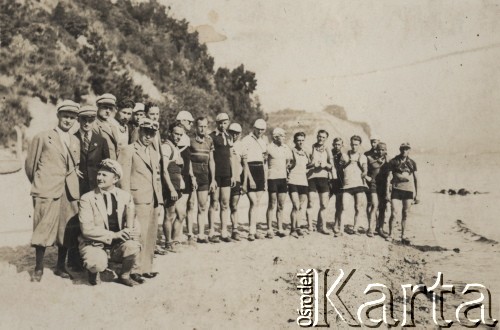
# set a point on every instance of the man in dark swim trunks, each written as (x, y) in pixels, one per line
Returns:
(337, 182)
(221, 195)
(402, 176)
(376, 162)
(355, 187)
(203, 165)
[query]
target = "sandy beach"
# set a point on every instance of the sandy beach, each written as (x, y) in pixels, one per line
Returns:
(248, 284)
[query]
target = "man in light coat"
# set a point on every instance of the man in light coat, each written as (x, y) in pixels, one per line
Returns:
(108, 222)
(142, 178)
(52, 168)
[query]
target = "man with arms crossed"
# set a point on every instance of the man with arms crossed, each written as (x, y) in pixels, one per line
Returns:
(255, 152)
(402, 177)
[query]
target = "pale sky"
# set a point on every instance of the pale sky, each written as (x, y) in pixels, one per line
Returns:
(427, 72)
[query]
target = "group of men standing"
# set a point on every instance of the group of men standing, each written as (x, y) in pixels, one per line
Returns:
(98, 193)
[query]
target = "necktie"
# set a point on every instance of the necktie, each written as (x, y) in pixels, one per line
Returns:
(86, 141)
(109, 204)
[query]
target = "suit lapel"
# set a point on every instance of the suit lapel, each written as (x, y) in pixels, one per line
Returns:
(74, 150)
(108, 129)
(99, 200)
(56, 141)
(93, 142)
(139, 149)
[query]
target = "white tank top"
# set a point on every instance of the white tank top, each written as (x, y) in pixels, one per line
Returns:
(298, 174)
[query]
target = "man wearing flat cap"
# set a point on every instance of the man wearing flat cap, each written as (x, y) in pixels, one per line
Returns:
(142, 178)
(108, 223)
(106, 104)
(52, 168)
(93, 148)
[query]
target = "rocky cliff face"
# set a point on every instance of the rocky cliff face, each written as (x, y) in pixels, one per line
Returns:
(310, 122)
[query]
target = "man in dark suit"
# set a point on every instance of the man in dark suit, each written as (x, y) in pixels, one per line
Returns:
(93, 148)
(106, 104)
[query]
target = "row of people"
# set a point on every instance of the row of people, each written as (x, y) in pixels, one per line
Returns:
(179, 174)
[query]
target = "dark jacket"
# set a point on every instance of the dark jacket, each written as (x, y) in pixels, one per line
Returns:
(89, 160)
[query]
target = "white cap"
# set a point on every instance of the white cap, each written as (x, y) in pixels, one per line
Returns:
(184, 115)
(279, 132)
(374, 137)
(139, 107)
(260, 124)
(222, 116)
(235, 127)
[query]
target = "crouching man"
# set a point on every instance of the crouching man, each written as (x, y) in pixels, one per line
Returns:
(107, 221)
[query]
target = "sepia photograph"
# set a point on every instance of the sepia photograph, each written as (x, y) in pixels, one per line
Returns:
(191, 164)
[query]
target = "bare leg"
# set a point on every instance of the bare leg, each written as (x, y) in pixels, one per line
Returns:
(180, 211)
(303, 199)
(235, 199)
(346, 201)
(338, 211)
(279, 213)
(359, 207)
(310, 209)
(191, 213)
(271, 211)
(406, 209)
(225, 196)
(202, 197)
(213, 212)
(168, 223)
(295, 214)
(324, 198)
(254, 197)
(395, 206)
(372, 216)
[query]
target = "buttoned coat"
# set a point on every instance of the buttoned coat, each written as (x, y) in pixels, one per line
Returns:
(90, 160)
(94, 218)
(51, 166)
(141, 177)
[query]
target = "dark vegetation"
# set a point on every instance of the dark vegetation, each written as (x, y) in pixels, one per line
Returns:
(85, 47)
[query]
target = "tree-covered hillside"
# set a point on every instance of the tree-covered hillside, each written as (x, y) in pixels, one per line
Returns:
(78, 49)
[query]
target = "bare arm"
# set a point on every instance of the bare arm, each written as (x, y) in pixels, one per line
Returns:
(166, 160)
(415, 178)
(329, 160)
